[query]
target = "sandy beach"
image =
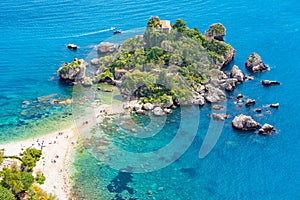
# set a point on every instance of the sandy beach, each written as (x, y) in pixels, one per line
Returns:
(57, 149)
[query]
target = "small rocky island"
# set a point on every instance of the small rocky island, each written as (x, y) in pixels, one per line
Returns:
(170, 65)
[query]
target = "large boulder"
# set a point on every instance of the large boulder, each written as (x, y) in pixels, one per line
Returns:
(214, 95)
(254, 63)
(237, 74)
(158, 111)
(73, 72)
(197, 99)
(245, 123)
(228, 84)
(216, 31)
(148, 106)
(250, 102)
(106, 48)
(219, 117)
(269, 83)
(266, 129)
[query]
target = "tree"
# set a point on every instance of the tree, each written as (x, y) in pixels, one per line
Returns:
(11, 179)
(27, 180)
(6, 194)
(180, 25)
(29, 158)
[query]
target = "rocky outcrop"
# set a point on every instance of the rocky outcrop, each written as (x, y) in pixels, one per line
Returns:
(216, 31)
(197, 99)
(74, 72)
(269, 83)
(245, 123)
(237, 74)
(148, 106)
(95, 61)
(229, 56)
(158, 111)
(168, 110)
(218, 107)
(274, 105)
(239, 96)
(219, 117)
(258, 110)
(140, 112)
(228, 84)
(267, 129)
(254, 63)
(250, 102)
(214, 95)
(106, 48)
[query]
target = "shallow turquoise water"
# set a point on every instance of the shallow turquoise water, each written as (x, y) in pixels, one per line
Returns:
(33, 38)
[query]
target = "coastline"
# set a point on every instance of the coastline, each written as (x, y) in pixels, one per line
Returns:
(57, 151)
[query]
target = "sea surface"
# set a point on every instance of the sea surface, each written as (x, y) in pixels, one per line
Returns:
(33, 39)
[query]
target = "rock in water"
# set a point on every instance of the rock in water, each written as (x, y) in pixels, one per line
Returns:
(274, 105)
(106, 48)
(250, 102)
(266, 129)
(269, 83)
(148, 106)
(214, 95)
(73, 72)
(237, 74)
(140, 112)
(254, 63)
(218, 107)
(158, 111)
(245, 123)
(219, 117)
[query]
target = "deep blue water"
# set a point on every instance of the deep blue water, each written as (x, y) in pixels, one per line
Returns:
(33, 38)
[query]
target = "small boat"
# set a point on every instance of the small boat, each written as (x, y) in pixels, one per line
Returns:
(112, 28)
(72, 46)
(117, 32)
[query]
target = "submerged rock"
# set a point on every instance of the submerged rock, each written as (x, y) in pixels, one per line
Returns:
(245, 123)
(266, 129)
(269, 83)
(26, 102)
(254, 63)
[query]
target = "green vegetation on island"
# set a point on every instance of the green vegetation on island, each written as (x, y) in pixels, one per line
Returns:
(168, 62)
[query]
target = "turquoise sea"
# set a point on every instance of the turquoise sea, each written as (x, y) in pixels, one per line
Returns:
(33, 39)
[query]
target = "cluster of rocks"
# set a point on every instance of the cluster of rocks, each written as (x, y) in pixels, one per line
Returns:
(247, 123)
(156, 109)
